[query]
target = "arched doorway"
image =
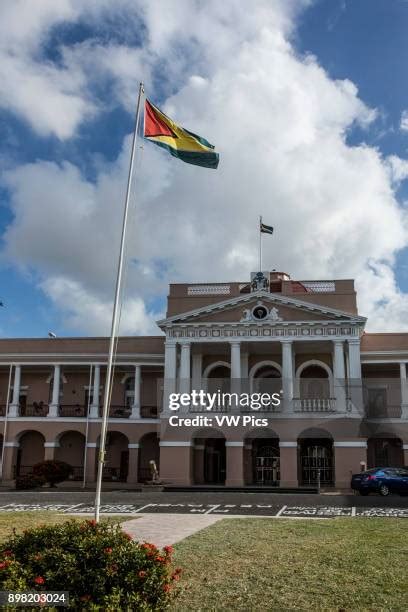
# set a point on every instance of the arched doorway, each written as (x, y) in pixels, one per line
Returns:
(262, 458)
(116, 457)
(314, 387)
(217, 377)
(29, 453)
(385, 451)
(315, 457)
(209, 458)
(266, 377)
(71, 450)
(149, 450)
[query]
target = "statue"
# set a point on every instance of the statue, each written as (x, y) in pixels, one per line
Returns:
(247, 316)
(259, 281)
(154, 472)
(274, 315)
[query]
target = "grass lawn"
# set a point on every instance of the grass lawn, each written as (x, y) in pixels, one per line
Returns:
(25, 520)
(264, 564)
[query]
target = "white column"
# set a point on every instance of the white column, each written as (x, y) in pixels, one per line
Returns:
(404, 391)
(354, 359)
(287, 374)
(170, 371)
(355, 383)
(244, 369)
(197, 370)
(15, 402)
(185, 372)
(53, 408)
(94, 411)
(235, 367)
(136, 398)
(339, 374)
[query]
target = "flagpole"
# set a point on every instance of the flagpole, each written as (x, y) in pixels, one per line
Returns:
(115, 313)
(260, 244)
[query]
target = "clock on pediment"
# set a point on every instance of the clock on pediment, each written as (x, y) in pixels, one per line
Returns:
(260, 312)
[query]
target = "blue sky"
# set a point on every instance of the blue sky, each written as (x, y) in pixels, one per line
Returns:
(363, 41)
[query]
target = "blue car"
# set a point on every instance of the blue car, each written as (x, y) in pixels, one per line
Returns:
(381, 480)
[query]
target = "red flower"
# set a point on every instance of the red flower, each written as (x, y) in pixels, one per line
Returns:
(166, 588)
(175, 576)
(107, 550)
(39, 580)
(149, 546)
(142, 574)
(38, 557)
(161, 559)
(127, 536)
(178, 570)
(7, 553)
(92, 523)
(168, 550)
(4, 564)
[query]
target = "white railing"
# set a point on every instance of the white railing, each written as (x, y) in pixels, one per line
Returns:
(319, 286)
(209, 290)
(314, 405)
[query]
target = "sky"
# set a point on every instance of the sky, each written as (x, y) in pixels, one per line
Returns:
(305, 100)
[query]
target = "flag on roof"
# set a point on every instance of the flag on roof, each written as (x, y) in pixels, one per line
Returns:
(178, 141)
(265, 229)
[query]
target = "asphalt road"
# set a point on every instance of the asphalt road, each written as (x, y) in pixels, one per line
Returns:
(219, 502)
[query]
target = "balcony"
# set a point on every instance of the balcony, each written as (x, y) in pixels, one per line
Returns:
(148, 412)
(315, 404)
(373, 411)
(72, 410)
(36, 409)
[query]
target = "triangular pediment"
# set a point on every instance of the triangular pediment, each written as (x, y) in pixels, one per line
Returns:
(260, 307)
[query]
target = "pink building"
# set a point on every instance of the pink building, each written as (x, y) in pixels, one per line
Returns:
(344, 392)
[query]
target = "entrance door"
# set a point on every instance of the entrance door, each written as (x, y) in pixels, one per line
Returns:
(214, 461)
(267, 466)
(315, 458)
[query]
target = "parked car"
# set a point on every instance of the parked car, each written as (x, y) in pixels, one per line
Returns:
(381, 480)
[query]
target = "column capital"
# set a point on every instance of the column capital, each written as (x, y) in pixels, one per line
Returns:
(286, 341)
(338, 341)
(353, 340)
(235, 342)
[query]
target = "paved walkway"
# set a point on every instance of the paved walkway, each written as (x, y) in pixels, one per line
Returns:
(166, 529)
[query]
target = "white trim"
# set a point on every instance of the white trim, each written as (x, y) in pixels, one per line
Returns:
(405, 447)
(12, 444)
(313, 362)
(288, 444)
(235, 443)
(52, 444)
(261, 364)
(174, 443)
(351, 444)
(91, 444)
(215, 364)
(133, 445)
(265, 295)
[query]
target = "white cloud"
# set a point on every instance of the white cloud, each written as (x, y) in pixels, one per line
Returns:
(84, 310)
(404, 121)
(280, 124)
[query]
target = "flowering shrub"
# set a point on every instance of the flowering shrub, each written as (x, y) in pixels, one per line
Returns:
(97, 563)
(52, 471)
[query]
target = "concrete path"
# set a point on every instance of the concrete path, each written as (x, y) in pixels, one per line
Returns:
(166, 529)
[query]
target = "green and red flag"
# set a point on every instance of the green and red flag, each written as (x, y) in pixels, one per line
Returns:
(178, 141)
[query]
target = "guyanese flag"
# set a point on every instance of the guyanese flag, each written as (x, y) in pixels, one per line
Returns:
(181, 143)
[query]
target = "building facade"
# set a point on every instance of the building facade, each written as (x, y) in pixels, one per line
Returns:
(344, 392)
